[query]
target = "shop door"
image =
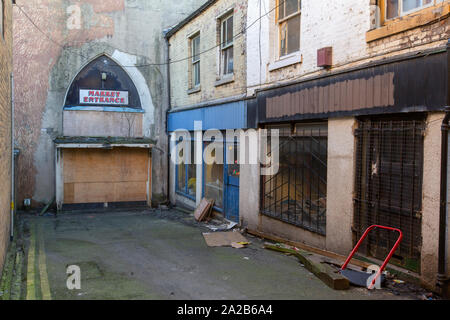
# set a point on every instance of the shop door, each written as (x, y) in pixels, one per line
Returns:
(232, 171)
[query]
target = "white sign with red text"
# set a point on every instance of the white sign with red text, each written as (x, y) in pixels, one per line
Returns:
(104, 97)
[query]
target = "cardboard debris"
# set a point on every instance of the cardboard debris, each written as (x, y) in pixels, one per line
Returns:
(239, 245)
(223, 239)
(204, 209)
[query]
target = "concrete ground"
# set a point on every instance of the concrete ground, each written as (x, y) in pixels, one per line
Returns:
(160, 255)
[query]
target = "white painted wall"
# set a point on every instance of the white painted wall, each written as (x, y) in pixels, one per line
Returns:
(341, 24)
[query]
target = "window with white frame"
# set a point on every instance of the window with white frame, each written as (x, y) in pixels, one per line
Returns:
(195, 67)
(397, 8)
(226, 44)
(288, 20)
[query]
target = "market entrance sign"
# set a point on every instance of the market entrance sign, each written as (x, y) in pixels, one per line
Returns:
(104, 97)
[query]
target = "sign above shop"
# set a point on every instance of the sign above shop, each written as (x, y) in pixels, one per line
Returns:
(104, 97)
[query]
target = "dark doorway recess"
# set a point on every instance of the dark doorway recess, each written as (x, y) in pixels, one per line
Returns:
(388, 187)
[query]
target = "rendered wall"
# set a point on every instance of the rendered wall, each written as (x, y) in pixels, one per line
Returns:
(128, 31)
(5, 131)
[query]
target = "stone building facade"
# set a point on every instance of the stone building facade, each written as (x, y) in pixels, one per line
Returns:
(54, 41)
(5, 124)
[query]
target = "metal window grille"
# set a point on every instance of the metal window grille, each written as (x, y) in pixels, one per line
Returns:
(297, 193)
(389, 169)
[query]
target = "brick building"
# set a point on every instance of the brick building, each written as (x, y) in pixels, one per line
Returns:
(208, 87)
(5, 124)
(358, 90)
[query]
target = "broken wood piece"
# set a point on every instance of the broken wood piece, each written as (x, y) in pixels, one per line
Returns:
(45, 209)
(321, 270)
(204, 209)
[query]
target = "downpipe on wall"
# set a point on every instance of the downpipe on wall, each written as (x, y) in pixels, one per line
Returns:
(12, 159)
(442, 279)
(167, 48)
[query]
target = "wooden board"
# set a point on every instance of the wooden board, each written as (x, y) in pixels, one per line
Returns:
(102, 175)
(203, 210)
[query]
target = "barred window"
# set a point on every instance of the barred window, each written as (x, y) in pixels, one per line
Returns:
(389, 169)
(297, 193)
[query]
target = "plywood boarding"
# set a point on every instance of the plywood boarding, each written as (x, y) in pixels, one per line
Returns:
(101, 175)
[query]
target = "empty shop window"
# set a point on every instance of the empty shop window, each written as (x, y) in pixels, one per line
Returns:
(186, 172)
(297, 193)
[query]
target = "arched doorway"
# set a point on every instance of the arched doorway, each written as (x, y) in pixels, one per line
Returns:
(102, 157)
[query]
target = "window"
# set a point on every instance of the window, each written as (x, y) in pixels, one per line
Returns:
(213, 187)
(226, 45)
(288, 19)
(195, 67)
(186, 174)
(297, 193)
(397, 8)
(2, 17)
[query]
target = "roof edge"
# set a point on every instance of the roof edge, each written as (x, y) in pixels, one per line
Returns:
(189, 18)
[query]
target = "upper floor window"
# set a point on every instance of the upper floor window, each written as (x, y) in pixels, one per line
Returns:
(288, 19)
(397, 8)
(226, 44)
(2, 18)
(195, 67)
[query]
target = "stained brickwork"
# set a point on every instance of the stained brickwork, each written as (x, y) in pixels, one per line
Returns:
(5, 129)
(208, 26)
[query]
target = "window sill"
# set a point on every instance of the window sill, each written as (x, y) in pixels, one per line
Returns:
(224, 80)
(194, 90)
(408, 22)
(286, 61)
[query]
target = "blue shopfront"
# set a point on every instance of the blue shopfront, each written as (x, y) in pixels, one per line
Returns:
(217, 180)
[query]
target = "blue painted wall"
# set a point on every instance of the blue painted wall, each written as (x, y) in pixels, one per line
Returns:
(226, 116)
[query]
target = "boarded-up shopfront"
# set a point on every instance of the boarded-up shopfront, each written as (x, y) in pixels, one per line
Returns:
(102, 157)
(353, 153)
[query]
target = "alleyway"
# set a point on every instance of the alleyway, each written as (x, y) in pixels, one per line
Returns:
(160, 255)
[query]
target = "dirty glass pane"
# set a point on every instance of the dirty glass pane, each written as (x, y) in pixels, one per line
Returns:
(233, 163)
(214, 182)
(411, 4)
(181, 178)
(293, 34)
(292, 6)
(391, 9)
(229, 37)
(283, 34)
(196, 74)
(280, 4)
(191, 172)
(227, 60)
(195, 49)
(1, 17)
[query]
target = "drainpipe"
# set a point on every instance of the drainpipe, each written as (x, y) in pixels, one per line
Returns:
(442, 279)
(167, 48)
(12, 158)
